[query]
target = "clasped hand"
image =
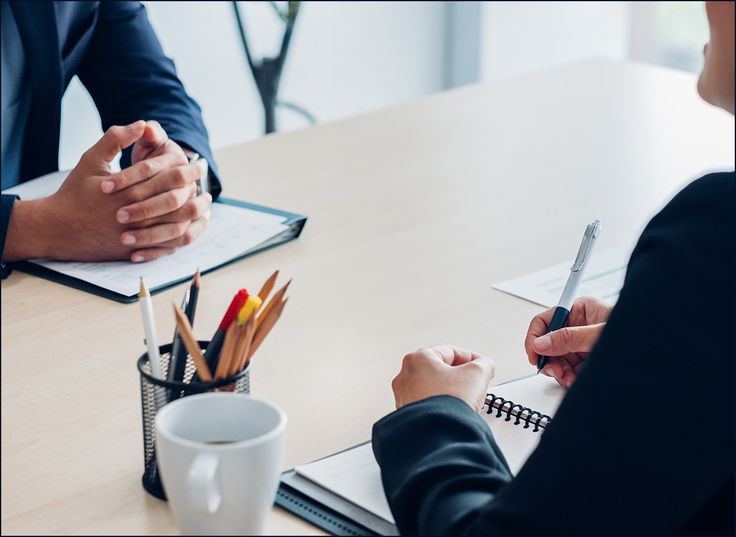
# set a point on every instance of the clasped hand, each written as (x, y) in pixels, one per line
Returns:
(140, 213)
(447, 370)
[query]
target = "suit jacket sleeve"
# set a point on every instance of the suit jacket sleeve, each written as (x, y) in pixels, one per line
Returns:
(130, 78)
(644, 439)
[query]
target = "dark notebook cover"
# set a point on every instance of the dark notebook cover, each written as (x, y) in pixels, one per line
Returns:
(295, 223)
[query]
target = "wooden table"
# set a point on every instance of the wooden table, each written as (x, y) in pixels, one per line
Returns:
(414, 213)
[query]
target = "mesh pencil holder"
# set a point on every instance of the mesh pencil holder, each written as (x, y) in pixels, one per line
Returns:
(156, 392)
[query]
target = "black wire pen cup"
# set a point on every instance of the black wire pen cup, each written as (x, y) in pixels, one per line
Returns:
(157, 392)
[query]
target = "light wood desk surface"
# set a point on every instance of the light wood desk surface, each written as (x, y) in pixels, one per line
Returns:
(414, 213)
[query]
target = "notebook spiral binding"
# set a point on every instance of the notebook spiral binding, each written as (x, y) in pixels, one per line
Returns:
(520, 413)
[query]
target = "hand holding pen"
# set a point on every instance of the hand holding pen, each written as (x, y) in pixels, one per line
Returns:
(568, 348)
(561, 313)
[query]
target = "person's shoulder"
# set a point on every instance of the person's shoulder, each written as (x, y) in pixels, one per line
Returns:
(707, 205)
(696, 228)
(713, 194)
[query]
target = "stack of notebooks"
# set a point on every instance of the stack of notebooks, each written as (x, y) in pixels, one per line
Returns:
(343, 494)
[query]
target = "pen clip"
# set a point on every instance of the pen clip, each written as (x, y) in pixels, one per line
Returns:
(591, 232)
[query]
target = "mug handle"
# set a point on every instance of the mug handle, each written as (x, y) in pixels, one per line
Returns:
(204, 489)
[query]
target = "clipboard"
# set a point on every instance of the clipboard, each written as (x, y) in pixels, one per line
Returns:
(294, 222)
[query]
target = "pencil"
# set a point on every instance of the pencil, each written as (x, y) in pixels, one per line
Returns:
(223, 365)
(149, 325)
(276, 299)
(265, 327)
(268, 286)
(243, 346)
(185, 331)
(213, 349)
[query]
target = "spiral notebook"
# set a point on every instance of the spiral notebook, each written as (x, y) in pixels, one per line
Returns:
(343, 495)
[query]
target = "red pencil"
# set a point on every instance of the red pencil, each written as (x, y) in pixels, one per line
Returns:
(215, 346)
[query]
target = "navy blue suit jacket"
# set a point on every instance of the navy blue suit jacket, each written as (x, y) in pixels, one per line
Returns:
(114, 51)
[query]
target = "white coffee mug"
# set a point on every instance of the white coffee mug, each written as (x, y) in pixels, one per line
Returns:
(220, 458)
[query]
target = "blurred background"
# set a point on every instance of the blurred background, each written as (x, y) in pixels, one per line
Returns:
(348, 58)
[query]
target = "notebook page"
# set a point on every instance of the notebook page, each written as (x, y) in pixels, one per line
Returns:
(354, 475)
(231, 232)
(538, 392)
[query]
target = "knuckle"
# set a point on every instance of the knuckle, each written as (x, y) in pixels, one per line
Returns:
(410, 360)
(181, 228)
(187, 238)
(180, 178)
(121, 179)
(194, 210)
(171, 201)
(475, 365)
(141, 212)
(148, 168)
(567, 336)
(113, 131)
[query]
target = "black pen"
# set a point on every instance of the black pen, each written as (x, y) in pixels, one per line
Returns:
(562, 311)
(178, 350)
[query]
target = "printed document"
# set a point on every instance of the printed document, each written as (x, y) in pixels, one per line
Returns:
(603, 278)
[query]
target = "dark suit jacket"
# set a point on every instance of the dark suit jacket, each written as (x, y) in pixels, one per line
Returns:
(643, 442)
(114, 51)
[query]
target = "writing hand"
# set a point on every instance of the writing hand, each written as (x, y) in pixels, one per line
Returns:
(569, 347)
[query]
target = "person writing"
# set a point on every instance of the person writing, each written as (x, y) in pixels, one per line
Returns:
(644, 440)
(160, 200)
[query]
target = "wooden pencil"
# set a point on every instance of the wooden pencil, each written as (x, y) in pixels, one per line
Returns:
(266, 326)
(268, 286)
(226, 355)
(275, 300)
(185, 332)
(241, 353)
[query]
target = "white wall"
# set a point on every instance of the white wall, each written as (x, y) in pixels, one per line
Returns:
(352, 57)
(520, 37)
(345, 58)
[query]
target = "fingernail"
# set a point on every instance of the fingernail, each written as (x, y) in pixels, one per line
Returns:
(137, 258)
(128, 239)
(107, 186)
(123, 216)
(138, 125)
(543, 342)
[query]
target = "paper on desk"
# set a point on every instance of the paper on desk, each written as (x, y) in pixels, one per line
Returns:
(231, 232)
(603, 278)
(40, 187)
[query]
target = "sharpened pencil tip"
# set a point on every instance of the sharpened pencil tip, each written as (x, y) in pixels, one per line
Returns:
(539, 371)
(144, 291)
(195, 280)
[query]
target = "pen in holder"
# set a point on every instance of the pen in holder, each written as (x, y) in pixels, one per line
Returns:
(156, 392)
